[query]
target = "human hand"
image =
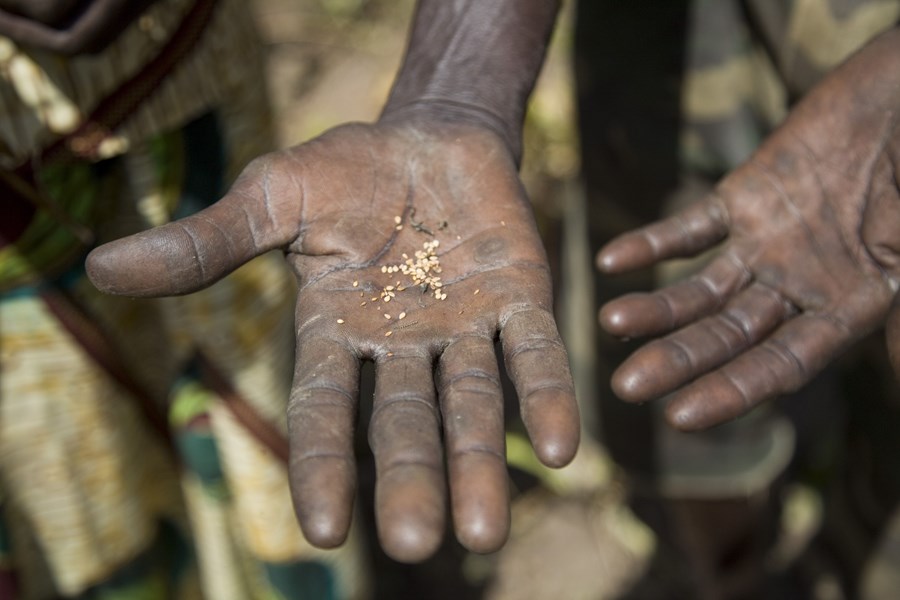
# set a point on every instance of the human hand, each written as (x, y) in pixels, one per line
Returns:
(810, 261)
(331, 204)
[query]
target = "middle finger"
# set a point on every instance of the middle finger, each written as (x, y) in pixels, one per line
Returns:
(404, 434)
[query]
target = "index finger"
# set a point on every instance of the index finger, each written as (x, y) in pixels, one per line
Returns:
(690, 231)
(404, 434)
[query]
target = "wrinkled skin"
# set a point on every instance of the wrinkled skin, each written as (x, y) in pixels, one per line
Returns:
(810, 261)
(330, 204)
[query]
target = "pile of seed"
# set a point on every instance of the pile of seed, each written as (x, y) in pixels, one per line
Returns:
(423, 269)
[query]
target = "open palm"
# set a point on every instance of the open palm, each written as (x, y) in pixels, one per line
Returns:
(414, 247)
(810, 260)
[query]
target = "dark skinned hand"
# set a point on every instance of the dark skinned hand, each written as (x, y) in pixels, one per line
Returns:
(331, 205)
(810, 261)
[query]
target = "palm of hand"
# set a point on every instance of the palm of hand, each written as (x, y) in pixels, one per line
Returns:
(810, 264)
(333, 205)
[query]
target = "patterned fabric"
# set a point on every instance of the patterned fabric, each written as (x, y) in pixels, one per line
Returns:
(44, 96)
(94, 501)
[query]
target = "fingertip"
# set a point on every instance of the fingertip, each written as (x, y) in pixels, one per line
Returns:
(558, 451)
(553, 424)
(324, 531)
(627, 252)
(613, 319)
(410, 512)
(323, 497)
(699, 408)
(102, 267)
(484, 535)
(97, 266)
(605, 261)
(629, 383)
(683, 418)
(408, 541)
(141, 265)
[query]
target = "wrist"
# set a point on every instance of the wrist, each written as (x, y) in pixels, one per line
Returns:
(457, 112)
(474, 63)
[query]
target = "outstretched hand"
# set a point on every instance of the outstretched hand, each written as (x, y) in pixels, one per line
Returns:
(351, 210)
(810, 261)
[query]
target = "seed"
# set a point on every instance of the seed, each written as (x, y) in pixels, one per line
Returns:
(476, 292)
(340, 321)
(388, 288)
(387, 316)
(388, 334)
(399, 227)
(374, 299)
(387, 298)
(390, 353)
(363, 304)
(355, 284)
(398, 220)
(384, 269)
(401, 315)
(503, 223)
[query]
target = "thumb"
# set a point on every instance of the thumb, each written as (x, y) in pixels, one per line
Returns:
(195, 252)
